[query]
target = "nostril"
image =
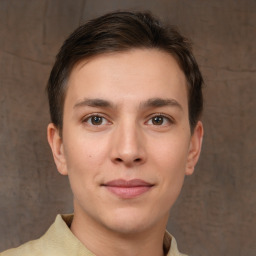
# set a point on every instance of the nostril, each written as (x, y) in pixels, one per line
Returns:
(118, 159)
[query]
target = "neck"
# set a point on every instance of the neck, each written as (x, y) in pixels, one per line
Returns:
(103, 241)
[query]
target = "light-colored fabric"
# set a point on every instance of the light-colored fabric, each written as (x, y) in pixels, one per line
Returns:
(60, 241)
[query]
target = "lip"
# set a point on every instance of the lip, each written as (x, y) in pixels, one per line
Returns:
(128, 188)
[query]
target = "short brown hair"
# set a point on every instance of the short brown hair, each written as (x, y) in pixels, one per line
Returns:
(118, 32)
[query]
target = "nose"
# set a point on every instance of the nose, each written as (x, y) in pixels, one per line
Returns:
(128, 145)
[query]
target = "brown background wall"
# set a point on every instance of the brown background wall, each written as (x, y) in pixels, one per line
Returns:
(215, 214)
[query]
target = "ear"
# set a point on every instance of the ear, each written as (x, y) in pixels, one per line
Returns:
(194, 148)
(55, 142)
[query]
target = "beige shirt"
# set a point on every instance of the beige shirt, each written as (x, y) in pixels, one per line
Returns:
(60, 241)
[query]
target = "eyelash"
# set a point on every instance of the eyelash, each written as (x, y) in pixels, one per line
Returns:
(169, 119)
(89, 117)
(161, 115)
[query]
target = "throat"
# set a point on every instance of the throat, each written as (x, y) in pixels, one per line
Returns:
(114, 244)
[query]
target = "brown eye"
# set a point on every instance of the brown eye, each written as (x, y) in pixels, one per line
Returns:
(158, 120)
(96, 120)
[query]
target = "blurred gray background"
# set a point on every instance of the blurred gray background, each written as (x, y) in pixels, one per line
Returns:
(215, 214)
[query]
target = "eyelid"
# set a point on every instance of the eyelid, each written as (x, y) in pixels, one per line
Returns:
(170, 119)
(87, 117)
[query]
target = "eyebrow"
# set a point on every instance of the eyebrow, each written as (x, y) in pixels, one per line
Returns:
(150, 103)
(94, 103)
(159, 102)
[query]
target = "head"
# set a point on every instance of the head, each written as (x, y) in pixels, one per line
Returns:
(125, 100)
(119, 32)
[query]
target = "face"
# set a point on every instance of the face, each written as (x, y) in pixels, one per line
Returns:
(126, 143)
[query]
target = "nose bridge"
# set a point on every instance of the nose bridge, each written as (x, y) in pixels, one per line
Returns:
(128, 146)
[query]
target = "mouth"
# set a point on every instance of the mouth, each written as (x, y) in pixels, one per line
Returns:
(128, 188)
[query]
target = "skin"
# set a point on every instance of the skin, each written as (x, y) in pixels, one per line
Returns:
(139, 100)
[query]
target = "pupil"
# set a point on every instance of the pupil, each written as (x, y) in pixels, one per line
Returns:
(96, 120)
(158, 120)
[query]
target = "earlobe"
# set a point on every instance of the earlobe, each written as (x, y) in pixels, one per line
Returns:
(195, 148)
(55, 142)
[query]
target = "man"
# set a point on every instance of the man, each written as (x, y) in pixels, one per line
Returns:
(125, 101)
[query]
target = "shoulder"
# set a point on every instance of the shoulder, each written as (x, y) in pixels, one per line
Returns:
(30, 248)
(48, 244)
(57, 241)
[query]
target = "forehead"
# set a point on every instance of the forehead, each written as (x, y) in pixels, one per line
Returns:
(137, 74)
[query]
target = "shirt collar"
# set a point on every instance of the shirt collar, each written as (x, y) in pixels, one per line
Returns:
(61, 230)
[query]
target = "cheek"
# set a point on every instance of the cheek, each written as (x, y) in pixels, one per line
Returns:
(84, 150)
(83, 168)
(171, 153)
(170, 159)
(85, 159)
(170, 166)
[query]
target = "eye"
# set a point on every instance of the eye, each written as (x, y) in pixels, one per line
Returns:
(96, 120)
(159, 120)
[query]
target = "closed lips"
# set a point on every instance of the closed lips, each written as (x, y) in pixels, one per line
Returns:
(128, 189)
